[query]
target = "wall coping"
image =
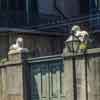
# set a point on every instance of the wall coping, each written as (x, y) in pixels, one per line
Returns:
(45, 58)
(10, 63)
(93, 51)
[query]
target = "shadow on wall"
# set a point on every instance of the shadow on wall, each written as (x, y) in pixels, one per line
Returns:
(30, 84)
(35, 92)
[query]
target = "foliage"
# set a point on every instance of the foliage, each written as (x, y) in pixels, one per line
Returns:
(3, 60)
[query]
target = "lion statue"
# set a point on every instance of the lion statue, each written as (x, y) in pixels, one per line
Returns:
(18, 46)
(82, 35)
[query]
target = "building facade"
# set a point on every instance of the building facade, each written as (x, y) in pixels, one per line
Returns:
(53, 17)
(38, 43)
(28, 13)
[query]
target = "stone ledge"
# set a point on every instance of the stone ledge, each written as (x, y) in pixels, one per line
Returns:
(9, 63)
(94, 51)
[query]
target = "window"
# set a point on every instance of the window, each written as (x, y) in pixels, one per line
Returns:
(4, 4)
(94, 5)
(84, 7)
(12, 4)
(32, 6)
(47, 7)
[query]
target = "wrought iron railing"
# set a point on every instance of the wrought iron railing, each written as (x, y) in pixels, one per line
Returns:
(47, 78)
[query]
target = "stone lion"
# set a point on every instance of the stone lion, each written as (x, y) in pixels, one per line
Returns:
(82, 35)
(18, 46)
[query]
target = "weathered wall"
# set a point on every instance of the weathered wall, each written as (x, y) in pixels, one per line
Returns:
(47, 78)
(87, 72)
(12, 85)
(34, 79)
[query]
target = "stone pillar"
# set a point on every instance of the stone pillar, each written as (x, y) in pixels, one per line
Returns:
(74, 72)
(87, 75)
(16, 75)
(68, 73)
(13, 76)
